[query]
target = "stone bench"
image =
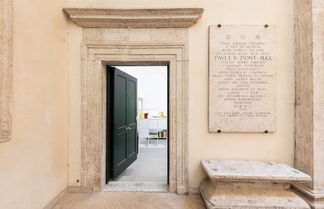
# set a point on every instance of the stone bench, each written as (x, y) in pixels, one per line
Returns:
(251, 184)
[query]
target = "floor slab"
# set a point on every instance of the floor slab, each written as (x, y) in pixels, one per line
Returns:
(129, 200)
(151, 166)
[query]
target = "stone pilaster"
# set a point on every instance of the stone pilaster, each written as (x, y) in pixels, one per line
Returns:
(6, 56)
(309, 109)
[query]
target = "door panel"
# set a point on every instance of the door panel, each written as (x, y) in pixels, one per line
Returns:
(120, 120)
(131, 117)
(124, 123)
(121, 155)
(121, 101)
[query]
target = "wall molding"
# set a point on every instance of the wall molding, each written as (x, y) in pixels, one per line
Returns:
(6, 65)
(56, 199)
(134, 18)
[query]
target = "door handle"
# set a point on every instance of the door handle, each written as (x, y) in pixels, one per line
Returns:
(128, 128)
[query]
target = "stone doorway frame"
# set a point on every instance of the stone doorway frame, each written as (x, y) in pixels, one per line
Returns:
(132, 37)
(95, 57)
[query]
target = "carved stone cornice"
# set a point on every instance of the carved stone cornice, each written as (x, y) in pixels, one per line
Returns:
(134, 18)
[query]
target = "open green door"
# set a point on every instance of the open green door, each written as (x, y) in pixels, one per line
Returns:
(123, 124)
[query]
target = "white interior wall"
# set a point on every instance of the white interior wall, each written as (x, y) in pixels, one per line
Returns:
(151, 86)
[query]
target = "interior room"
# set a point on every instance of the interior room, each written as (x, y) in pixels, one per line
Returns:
(151, 163)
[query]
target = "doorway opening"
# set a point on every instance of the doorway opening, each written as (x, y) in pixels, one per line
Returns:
(137, 146)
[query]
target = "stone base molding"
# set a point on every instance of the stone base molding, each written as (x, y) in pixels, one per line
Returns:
(6, 59)
(56, 199)
(74, 189)
(251, 184)
(314, 198)
(249, 195)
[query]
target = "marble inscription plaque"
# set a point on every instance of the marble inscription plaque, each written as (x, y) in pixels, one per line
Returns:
(242, 79)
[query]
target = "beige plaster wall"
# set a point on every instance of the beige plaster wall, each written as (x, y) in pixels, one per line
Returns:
(202, 144)
(33, 165)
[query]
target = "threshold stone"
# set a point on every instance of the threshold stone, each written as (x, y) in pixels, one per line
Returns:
(251, 184)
